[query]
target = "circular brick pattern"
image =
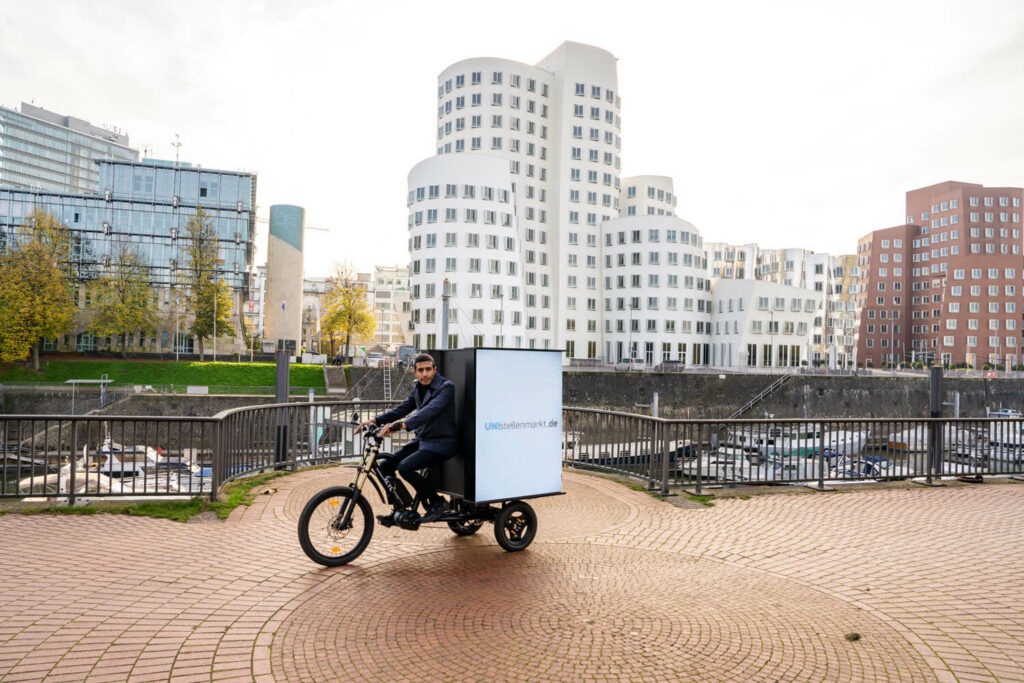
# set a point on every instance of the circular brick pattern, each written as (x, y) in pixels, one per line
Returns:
(556, 613)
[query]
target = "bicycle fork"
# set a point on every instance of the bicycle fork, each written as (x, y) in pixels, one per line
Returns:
(344, 517)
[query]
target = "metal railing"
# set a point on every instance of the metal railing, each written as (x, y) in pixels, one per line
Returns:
(287, 436)
(74, 457)
(97, 456)
(702, 453)
(760, 396)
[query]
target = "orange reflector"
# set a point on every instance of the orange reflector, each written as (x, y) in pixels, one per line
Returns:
(335, 550)
(334, 502)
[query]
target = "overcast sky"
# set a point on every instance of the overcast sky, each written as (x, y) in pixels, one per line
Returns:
(792, 124)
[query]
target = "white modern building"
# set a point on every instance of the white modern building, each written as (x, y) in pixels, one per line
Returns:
(732, 260)
(539, 148)
(390, 305)
(648, 195)
(657, 302)
(463, 230)
(832, 278)
(760, 324)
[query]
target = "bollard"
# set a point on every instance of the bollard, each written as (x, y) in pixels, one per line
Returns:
(934, 411)
(285, 349)
(217, 466)
(665, 456)
(821, 458)
(72, 464)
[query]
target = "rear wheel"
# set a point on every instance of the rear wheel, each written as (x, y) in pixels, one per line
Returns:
(515, 526)
(323, 535)
(466, 527)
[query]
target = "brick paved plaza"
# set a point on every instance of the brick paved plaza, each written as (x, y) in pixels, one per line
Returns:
(617, 586)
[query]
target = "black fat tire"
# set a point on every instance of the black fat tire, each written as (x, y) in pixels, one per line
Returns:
(515, 526)
(362, 524)
(466, 527)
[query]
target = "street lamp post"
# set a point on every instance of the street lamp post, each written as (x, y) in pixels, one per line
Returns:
(629, 339)
(216, 291)
(177, 320)
(445, 296)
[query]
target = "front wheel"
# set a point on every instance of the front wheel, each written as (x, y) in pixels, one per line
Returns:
(324, 535)
(515, 526)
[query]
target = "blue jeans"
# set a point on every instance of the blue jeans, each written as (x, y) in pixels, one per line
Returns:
(408, 461)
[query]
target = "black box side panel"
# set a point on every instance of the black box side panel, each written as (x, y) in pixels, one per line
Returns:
(456, 474)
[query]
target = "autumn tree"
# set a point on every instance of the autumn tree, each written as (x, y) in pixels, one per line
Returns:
(35, 299)
(347, 313)
(209, 299)
(123, 299)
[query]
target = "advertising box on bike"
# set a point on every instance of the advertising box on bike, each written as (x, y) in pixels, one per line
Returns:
(509, 418)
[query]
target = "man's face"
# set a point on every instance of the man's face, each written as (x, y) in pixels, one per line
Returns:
(425, 372)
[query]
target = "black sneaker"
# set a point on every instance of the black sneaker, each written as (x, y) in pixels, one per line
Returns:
(434, 512)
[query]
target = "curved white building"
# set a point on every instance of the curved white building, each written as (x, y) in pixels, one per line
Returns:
(587, 165)
(657, 303)
(462, 227)
(503, 109)
(761, 324)
(648, 195)
(557, 128)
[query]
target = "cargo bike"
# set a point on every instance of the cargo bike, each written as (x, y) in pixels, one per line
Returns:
(486, 482)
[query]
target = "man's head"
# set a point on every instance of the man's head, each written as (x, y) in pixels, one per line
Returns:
(423, 368)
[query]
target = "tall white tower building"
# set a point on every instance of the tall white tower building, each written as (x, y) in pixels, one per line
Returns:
(527, 169)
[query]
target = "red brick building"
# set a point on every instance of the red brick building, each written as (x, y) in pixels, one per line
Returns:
(947, 286)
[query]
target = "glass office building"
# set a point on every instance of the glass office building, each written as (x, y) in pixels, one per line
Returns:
(43, 150)
(146, 205)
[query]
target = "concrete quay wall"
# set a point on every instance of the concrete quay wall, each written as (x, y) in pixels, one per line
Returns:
(685, 395)
(681, 395)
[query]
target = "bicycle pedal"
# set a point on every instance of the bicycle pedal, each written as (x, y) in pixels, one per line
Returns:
(386, 520)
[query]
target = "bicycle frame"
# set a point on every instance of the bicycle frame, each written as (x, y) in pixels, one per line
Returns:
(368, 470)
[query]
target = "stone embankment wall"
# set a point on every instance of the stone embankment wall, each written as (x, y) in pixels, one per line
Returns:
(689, 395)
(45, 403)
(681, 395)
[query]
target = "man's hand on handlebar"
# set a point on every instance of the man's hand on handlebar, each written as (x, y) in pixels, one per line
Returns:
(371, 421)
(393, 427)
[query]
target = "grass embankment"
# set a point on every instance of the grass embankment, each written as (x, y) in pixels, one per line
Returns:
(236, 493)
(165, 372)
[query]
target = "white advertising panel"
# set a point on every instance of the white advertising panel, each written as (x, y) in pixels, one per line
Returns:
(518, 423)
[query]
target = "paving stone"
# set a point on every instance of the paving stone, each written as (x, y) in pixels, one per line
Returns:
(617, 586)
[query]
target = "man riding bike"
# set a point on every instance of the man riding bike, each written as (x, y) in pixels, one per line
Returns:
(433, 399)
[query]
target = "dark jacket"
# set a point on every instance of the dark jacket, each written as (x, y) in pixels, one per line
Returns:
(434, 421)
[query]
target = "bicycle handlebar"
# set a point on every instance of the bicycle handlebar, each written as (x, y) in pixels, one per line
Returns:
(371, 430)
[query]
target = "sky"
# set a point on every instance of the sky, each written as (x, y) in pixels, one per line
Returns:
(789, 124)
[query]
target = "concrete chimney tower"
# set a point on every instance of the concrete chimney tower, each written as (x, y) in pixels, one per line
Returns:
(283, 305)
